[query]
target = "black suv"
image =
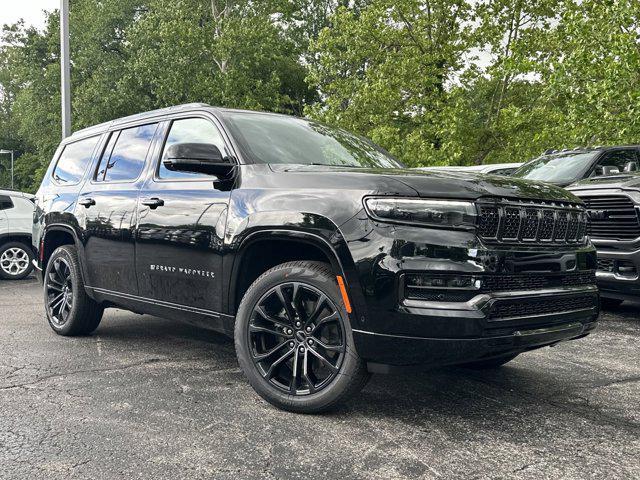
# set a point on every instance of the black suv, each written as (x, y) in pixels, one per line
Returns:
(565, 167)
(312, 247)
(613, 204)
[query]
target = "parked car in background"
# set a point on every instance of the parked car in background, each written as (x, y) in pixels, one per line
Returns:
(613, 208)
(312, 247)
(16, 222)
(565, 167)
(493, 169)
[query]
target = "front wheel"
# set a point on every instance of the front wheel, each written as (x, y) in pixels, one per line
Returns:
(70, 311)
(610, 303)
(294, 341)
(15, 261)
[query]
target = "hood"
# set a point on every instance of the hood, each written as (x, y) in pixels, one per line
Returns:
(624, 181)
(443, 184)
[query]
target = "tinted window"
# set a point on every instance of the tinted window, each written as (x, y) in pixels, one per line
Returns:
(73, 161)
(281, 139)
(123, 158)
(5, 202)
(622, 160)
(190, 130)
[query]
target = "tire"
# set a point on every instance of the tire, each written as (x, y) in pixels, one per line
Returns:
(264, 324)
(15, 261)
(490, 363)
(70, 311)
(610, 303)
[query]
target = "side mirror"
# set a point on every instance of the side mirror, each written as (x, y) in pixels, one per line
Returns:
(197, 157)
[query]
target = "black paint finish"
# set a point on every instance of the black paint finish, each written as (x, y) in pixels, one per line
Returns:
(180, 248)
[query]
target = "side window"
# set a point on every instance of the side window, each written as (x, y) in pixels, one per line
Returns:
(74, 160)
(5, 202)
(125, 153)
(190, 130)
(623, 160)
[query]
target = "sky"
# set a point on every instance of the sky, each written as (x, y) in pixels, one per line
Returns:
(30, 10)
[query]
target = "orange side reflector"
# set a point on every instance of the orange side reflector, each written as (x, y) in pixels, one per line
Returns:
(343, 291)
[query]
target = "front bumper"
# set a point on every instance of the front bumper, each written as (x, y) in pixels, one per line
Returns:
(617, 274)
(393, 328)
(37, 270)
(473, 334)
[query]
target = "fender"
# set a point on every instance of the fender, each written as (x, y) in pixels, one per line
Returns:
(329, 241)
(60, 227)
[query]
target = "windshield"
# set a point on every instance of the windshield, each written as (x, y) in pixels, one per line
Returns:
(560, 168)
(290, 140)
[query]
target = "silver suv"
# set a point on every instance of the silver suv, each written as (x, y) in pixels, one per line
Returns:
(16, 219)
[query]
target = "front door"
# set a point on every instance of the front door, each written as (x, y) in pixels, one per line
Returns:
(181, 221)
(106, 210)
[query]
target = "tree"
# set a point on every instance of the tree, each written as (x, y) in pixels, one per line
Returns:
(384, 71)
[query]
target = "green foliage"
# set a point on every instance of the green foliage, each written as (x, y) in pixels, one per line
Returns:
(433, 81)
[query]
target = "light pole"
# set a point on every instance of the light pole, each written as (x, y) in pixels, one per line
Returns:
(11, 152)
(65, 70)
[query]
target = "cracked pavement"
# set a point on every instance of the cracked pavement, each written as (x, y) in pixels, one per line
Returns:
(150, 398)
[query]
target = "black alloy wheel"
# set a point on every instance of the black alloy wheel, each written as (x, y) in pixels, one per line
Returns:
(294, 341)
(70, 311)
(297, 338)
(59, 292)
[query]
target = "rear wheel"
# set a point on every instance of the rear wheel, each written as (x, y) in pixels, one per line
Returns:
(294, 342)
(495, 362)
(15, 261)
(70, 311)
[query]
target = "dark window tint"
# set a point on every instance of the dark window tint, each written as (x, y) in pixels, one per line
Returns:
(74, 160)
(123, 158)
(5, 202)
(190, 130)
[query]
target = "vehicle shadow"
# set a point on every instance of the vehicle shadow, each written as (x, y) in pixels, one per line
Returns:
(516, 396)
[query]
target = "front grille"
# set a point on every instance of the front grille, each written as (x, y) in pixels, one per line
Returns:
(513, 221)
(505, 309)
(612, 217)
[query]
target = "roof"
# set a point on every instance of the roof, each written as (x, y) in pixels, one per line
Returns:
(15, 193)
(597, 148)
(139, 116)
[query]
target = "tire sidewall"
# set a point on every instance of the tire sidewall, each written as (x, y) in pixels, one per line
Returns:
(76, 285)
(29, 253)
(325, 283)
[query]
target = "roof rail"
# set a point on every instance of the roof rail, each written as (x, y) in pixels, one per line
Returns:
(150, 113)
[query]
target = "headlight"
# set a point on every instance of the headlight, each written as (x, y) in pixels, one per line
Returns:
(436, 213)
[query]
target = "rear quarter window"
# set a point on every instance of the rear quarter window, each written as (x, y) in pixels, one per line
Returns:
(74, 160)
(5, 202)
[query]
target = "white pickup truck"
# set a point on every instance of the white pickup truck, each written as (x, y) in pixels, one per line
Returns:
(16, 220)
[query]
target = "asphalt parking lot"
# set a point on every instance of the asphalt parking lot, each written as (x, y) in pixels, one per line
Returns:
(149, 398)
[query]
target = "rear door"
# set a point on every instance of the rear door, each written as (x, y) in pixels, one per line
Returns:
(106, 210)
(179, 242)
(5, 204)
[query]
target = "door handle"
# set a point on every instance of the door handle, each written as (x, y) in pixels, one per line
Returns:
(152, 202)
(86, 202)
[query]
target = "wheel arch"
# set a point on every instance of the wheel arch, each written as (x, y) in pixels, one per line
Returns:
(16, 237)
(55, 236)
(284, 245)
